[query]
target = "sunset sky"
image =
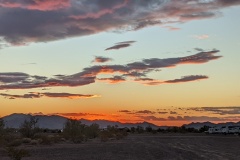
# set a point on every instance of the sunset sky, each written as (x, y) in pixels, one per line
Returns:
(168, 62)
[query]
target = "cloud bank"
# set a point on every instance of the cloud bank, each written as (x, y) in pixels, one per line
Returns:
(134, 71)
(27, 21)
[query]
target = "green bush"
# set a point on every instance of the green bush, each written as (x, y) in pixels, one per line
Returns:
(74, 130)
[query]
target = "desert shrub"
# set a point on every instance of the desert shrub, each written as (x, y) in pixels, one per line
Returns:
(112, 132)
(119, 136)
(104, 136)
(139, 129)
(17, 154)
(34, 142)
(2, 125)
(92, 131)
(45, 140)
(26, 140)
(15, 143)
(73, 130)
(56, 139)
(1, 131)
(132, 129)
(148, 129)
(204, 128)
(28, 128)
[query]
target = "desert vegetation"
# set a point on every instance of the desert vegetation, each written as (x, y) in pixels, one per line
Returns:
(29, 139)
(14, 141)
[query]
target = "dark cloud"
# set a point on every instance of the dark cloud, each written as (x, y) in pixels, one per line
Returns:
(47, 94)
(125, 111)
(126, 42)
(189, 118)
(120, 45)
(13, 77)
(68, 95)
(199, 49)
(26, 21)
(25, 96)
(151, 118)
(218, 110)
(136, 70)
(162, 112)
(187, 79)
(100, 59)
(25, 81)
(145, 112)
(180, 80)
(172, 112)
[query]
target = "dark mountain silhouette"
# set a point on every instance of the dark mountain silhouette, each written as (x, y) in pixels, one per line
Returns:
(57, 122)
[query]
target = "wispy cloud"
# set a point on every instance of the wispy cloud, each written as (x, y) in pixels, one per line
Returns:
(132, 71)
(113, 80)
(120, 45)
(49, 20)
(171, 28)
(32, 95)
(180, 80)
(78, 114)
(201, 37)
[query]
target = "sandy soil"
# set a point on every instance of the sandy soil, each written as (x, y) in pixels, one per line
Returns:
(143, 147)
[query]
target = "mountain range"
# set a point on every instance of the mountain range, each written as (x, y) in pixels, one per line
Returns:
(57, 122)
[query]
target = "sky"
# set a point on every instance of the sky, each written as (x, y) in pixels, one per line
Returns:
(168, 62)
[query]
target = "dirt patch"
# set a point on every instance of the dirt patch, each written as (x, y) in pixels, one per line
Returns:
(142, 147)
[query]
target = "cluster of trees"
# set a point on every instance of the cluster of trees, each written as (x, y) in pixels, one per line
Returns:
(77, 132)
(181, 129)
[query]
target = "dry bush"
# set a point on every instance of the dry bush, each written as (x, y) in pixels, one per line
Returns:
(15, 143)
(44, 139)
(26, 140)
(104, 136)
(34, 142)
(17, 154)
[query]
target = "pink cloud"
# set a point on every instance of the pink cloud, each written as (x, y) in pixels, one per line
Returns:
(201, 37)
(43, 5)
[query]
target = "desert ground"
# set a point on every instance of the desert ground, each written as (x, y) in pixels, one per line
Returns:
(142, 147)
